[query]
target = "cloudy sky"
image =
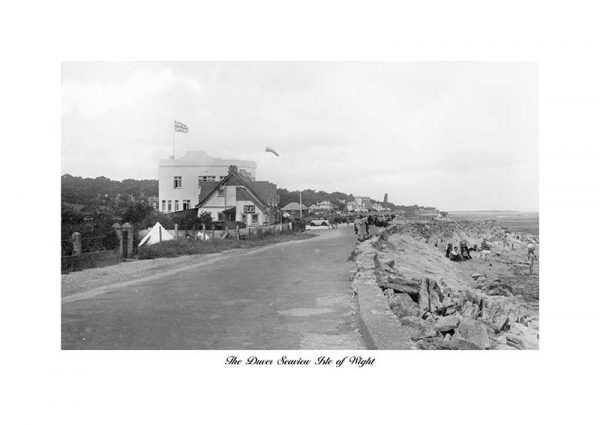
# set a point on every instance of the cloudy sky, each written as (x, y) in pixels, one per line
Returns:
(455, 135)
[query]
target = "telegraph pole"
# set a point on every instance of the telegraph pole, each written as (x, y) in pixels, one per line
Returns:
(301, 204)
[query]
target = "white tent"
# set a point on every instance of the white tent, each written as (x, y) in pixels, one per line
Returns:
(156, 235)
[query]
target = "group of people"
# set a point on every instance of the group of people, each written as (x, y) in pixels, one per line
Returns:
(463, 251)
(361, 226)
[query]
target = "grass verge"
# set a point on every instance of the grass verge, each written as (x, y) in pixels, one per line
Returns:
(180, 247)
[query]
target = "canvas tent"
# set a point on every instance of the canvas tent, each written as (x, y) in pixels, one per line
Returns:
(156, 235)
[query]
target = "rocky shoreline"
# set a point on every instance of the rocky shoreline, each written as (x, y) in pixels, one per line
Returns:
(488, 302)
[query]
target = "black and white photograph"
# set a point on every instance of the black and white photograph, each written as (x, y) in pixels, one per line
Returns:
(300, 205)
(270, 212)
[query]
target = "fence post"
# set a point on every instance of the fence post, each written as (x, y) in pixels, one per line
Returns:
(203, 231)
(213, 232)
(76, 242)
(176, 231)
(118, 230)
(224, 236)
(129, 229)
(237, 232)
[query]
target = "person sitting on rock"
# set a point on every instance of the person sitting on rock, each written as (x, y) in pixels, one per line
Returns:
(448, 250)
(464, 250)
(485, 246)
(455, 255)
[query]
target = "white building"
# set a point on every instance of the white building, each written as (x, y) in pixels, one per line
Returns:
(236, 198)
(182, 180)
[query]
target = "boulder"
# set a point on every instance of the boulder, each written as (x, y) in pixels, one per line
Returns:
(501, 312)
(460, 343)
(504, 347)
(522, 337)
(423, 297)
(402, 305)
(447, 323)
(401, 284)
(469, 310)
(474, 331)
(435, 343)
(418, 328)
(476, 276)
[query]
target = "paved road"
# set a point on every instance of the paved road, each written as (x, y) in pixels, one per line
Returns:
(286, 296)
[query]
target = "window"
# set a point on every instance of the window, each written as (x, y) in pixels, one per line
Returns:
(163, 205)
(169, 206)
(254, 218)
(206, 179)
(186, 204)
(177, 182)
(176, 205)
(221, 191)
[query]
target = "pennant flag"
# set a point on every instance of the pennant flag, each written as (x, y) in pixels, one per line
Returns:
(181, 127)
(269, 149)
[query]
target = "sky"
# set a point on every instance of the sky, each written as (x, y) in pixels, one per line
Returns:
(454, 135)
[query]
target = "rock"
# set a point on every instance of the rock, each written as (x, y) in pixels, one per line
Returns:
(389, 293)
(400, 284)
(402, 305)
(469, 310)
(447, 323)
(501, 312)
(463, 344)
(522, 337)
(390, 263)
(476, 276)
(419, 328)
(435, 295)
(474, 331)
(423, 297)
(434, 343)
(504, 347)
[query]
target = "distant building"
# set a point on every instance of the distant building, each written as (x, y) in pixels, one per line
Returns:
(237, 198)
(182, 181)
(293, 209)
(428, 212)
(322, 206)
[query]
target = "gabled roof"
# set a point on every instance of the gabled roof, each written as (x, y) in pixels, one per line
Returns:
(293, 206)
(254, 189)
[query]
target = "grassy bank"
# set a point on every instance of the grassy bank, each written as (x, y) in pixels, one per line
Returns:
(180, 247)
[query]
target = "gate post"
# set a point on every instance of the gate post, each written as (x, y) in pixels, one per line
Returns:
(118, 230)
(129, 229)
(176, 231)
(76, 242)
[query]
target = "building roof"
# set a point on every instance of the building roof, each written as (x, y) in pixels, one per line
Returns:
(293, 206)
(192, 158)
(263, 194)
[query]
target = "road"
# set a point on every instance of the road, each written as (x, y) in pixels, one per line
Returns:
(286, 296)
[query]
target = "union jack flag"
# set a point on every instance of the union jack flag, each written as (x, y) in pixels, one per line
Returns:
(181, 127)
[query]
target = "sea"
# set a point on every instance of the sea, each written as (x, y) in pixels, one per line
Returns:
(515, 221)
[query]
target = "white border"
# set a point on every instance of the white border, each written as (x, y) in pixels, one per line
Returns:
(44, 384)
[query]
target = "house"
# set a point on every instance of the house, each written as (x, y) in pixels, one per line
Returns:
(322, 206)
(294, 208)
(237, 198)
(183, 182)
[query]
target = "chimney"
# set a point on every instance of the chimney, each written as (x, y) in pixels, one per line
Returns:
(232, 168)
